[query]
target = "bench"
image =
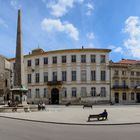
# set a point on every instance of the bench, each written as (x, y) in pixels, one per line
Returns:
(67, 104)
(14, 109)
(102, 116)
(87, 105)
(25, 109)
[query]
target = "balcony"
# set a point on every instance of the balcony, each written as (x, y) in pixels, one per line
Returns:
(54, 83)
(120, 87)
(134, 77)
(124, 77)
(115, 76)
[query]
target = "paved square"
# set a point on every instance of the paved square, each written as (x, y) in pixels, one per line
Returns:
(76, 114)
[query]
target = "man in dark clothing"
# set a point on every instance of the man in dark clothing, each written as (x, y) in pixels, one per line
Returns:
(105, 114)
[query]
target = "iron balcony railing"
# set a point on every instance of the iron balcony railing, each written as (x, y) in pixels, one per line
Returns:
(52, 83)
(120, 87)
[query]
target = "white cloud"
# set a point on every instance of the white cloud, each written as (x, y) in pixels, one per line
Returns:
(2, 22)
(90, 9)
(116, 49)
(15, 5)
(90, 6)
(61, 7)
(132, 43)
(52, 25)
(90, 36)
(111, 47)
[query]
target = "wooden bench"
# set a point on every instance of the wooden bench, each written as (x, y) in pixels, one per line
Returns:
(98, 116)
(87, 105)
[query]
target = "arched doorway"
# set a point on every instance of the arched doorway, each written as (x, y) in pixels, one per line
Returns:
(116, 97)
(55, 96)
(8, 97)
(138, 97)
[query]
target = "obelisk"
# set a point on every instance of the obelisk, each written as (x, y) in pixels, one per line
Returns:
(19, 61)
(19, 91)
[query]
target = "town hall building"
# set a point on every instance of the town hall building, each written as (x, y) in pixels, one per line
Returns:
(59, 76)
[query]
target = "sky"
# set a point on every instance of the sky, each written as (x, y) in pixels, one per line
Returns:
(70, 24)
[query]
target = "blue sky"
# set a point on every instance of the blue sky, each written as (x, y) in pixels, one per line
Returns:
(65, 24)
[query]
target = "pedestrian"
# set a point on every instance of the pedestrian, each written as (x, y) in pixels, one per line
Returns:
(39, 106)
(43, 106)
(9, 103)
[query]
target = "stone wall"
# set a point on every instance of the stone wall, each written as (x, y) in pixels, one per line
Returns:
(4, 78)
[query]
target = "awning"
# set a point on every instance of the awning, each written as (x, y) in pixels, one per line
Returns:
(19, 89)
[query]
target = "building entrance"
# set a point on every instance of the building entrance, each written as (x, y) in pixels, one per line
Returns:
(138, 97)
(8, 97)
(116, 97)
(55, 96)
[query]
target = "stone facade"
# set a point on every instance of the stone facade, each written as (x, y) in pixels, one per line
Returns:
(76, 75)
(121, 84)
(4, 78)
(125, 82)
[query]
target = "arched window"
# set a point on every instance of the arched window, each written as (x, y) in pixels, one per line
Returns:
(123, 96)
(83, 75)
(103, 92)
(45, 93)
(93, 91)
(132, 96)
(64, 93)
(83, 92)
(37, 93)
(29, 95)
(74, 92)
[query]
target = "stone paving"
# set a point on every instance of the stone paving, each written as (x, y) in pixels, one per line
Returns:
(117, 114)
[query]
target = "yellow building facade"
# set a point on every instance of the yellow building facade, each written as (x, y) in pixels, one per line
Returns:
(125, 82)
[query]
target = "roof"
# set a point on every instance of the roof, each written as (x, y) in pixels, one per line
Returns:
(128, 61)
(2, 56)
(39, 51)
(124, 63)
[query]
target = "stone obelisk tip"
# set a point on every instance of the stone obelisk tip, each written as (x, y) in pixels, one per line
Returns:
(19, 68)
